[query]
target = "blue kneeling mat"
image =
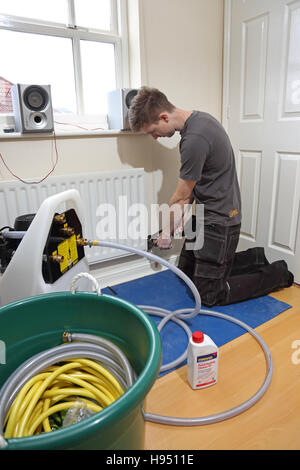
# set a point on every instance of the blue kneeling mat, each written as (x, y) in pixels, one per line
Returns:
(166, 290)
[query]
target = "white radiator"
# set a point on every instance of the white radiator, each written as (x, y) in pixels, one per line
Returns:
(119, 190)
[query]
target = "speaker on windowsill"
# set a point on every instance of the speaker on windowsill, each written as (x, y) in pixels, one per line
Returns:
(119, 102)
(32, 108)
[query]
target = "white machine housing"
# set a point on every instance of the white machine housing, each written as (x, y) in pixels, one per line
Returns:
(23, 276)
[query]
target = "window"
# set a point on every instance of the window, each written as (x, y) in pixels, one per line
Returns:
(79, 47)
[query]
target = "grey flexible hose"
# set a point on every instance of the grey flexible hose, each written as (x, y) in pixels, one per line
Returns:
(122, 368)
(107, 346)
(167, 316)
(182, 313)
(233, 411)
(41, 360)
(84, 346)
(190, 313)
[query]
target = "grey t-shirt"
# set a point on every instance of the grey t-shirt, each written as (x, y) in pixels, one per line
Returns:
(207, 157)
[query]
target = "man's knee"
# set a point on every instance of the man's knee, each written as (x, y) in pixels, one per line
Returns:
(212, 291)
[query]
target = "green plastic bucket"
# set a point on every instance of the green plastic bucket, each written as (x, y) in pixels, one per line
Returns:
(32, 325)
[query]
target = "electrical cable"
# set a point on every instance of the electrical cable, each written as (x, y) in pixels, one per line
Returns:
(44, 177)
(80, 127)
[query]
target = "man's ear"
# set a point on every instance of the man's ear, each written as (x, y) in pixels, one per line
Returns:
(164, 117)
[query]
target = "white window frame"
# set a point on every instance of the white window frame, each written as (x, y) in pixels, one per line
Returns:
(118, 36)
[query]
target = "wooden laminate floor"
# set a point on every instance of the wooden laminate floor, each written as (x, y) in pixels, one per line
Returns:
(272, 423)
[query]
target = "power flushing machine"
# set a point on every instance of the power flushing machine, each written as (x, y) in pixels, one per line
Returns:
(44, 251)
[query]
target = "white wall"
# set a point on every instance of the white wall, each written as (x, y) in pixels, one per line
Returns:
(176, 46)
(181, 54)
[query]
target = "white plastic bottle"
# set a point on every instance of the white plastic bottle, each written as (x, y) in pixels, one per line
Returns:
(202, 361)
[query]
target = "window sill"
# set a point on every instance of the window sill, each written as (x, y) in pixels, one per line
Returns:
(67, 127)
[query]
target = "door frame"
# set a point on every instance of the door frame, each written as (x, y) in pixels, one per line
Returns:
(226, 63)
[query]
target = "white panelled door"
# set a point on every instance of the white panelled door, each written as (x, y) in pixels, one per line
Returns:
(262, 101)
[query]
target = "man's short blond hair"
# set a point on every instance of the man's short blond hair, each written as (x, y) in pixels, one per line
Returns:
(146, 107)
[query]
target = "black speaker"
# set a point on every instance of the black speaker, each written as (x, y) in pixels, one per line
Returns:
(32, 108)
(119, 102)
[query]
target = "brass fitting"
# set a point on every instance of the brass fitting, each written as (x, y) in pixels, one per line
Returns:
(57, 258)
(81, 241)
(67, 231)
(60, 218)
(66, 337)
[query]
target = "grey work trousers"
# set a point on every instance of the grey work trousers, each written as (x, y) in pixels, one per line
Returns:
(224, 276)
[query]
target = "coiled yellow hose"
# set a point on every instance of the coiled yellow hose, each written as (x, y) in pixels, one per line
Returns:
(58, 388)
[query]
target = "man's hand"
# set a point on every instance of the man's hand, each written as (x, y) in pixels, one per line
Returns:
(164, 242)
(183, 195)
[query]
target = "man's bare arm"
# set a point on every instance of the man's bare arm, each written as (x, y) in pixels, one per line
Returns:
(182, 196)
